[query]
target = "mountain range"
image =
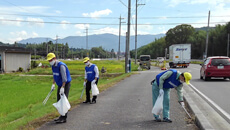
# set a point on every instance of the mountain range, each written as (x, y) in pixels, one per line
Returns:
(107, 41)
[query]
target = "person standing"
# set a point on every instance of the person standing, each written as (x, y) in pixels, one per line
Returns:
(162, 84)
(91, 77)
(61, 76)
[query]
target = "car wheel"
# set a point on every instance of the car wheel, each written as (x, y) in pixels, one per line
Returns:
(201, 77)
(206, 78)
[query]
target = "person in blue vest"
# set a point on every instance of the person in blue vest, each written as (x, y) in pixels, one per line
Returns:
(91, 76)
(162, 84)
(61, 76)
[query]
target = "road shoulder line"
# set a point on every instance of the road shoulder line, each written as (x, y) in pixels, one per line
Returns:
(206, 117)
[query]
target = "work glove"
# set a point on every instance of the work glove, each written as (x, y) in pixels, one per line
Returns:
(161, 92)
(182, 104)
(62, 91)
(94, 81)
(84, 84)
(52, 87)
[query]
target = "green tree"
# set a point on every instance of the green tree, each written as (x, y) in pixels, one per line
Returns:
(198, 41)
(180, 34)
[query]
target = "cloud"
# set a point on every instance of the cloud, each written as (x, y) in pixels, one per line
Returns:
(11, 23)
(58, 12)
(82, 26)
(215, 16)
(34, 34)
(110, 30)
(162, 29)
(20, 35)
(35, 21)
(96, 14)
(17, 36)
(80, 33)
(64, 24)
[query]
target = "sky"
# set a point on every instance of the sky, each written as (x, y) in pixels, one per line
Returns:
(22, 19)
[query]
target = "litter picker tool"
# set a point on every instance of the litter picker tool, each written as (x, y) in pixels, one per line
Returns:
(186, 111)
(82, 92)
(47, 97)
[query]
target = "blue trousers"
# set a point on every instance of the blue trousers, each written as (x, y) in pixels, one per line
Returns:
(166, 100)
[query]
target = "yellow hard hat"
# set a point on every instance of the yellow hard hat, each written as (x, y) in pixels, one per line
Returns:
(86, 59)
(50, 56)
(187, 77)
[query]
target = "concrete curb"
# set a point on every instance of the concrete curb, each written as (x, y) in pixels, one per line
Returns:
(206, 118)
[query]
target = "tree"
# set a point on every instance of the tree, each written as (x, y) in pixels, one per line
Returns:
(179, 35)
(198, 41)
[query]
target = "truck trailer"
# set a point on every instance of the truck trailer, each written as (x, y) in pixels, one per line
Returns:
(179, 55)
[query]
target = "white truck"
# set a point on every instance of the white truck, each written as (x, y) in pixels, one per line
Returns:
(179, 55)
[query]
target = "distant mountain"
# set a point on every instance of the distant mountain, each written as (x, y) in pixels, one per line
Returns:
(204, 28)
(36, 40)
(107, 41)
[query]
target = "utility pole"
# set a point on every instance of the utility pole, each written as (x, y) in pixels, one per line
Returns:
(127, 40)
(119, 48)
(47, 48)
(228, 46)
(72, 51)
(35, 51)
(166, 53)
(57, 46)
(87, 42)
(63, 51)
(136, 33)
(206, 50)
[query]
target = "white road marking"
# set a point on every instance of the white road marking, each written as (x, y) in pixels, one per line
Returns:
(224, 113)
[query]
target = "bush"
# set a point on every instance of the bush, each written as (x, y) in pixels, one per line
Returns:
(33, 64)
(20, 69)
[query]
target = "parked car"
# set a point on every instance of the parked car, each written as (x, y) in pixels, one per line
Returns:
(216, 66)
(145, 61)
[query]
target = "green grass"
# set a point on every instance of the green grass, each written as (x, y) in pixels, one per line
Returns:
(21, 97)
(77, 67)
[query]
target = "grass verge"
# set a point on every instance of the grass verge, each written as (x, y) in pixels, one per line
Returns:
(21, 98)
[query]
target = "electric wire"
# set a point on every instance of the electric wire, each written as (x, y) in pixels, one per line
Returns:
(12, 20)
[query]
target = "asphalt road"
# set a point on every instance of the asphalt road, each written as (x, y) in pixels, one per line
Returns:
(127, 105)
(217, 89)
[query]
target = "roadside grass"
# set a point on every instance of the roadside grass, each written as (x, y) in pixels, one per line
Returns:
(197, 62)
(77, 67)
(21, 97)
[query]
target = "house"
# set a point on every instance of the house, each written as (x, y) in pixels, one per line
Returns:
(11, 58)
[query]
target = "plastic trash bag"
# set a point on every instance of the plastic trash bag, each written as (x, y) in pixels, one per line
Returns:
(158, 107)
(95, 90)
(62, 105)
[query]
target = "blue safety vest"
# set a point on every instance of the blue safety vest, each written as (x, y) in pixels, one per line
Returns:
(57, 74)
(170, 82)
(90, 72)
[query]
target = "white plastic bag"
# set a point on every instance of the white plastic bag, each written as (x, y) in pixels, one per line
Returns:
(158, 107)
(62, 105)
(95, 90)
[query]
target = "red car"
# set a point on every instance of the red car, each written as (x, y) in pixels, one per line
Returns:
(216, 66)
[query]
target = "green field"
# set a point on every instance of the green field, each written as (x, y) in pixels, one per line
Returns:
(21, 97)
(77, 67)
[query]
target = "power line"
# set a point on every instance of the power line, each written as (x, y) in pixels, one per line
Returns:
(60, 16)
(123, 3)
(11, 20)
(158, 17)
(23, 8)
